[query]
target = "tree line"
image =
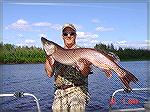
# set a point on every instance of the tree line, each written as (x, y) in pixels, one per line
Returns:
(11, 54)
(126, 54)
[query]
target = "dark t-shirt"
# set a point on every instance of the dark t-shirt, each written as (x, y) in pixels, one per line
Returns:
(68, 75)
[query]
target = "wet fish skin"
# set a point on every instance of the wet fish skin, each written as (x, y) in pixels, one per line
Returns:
(100, 59)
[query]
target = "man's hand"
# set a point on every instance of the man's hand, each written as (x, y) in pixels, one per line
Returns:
(49, 65)
(83, 66)
(50, 59)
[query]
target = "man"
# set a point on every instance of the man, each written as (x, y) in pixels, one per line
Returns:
(71, 83)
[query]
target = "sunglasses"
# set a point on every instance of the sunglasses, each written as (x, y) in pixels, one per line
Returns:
(71, 33)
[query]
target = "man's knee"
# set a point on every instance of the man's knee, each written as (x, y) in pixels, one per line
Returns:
(77, 108)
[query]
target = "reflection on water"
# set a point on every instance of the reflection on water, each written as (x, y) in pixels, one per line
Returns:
(31, 78)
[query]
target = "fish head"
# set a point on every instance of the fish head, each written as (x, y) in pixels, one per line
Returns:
(48, 46)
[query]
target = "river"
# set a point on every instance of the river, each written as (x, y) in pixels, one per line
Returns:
(31, 78)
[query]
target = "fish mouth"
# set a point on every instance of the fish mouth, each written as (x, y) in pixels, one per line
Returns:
(43, 40)
(48, 47)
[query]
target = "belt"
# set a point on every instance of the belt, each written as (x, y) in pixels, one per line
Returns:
(63, 87)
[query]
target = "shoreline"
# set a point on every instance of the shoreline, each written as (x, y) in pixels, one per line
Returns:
(44, 62)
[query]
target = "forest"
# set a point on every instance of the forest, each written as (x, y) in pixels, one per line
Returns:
(126, 54)
(11, 54)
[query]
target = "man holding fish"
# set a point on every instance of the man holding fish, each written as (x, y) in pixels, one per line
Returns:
(71, 66)
(71, 82)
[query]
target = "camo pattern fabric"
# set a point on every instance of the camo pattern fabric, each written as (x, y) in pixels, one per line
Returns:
(68, 75)
(69, 100)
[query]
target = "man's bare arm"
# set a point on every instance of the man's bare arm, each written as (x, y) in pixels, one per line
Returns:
(49, 65)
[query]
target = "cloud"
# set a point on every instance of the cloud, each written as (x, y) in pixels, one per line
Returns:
(56, 26)
(20, 24)
(7, 27)
(29, 41)
(50, 4)
(42, 35)
(47, 24)
(19, 35)
(23, 25)
(78, 26)
(42, 24)
(122, 42)
(94, 41)
(95, 21)
(86, 39)
(131, 44)
(147, 41)
(86, 35)
(103, 29)
(20, 44)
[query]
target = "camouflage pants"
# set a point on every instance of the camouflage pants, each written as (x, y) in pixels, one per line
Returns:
(69, 100)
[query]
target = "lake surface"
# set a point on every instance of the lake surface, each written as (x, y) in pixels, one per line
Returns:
(31, 78)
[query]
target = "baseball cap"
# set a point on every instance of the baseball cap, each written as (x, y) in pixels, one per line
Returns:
(68, 25)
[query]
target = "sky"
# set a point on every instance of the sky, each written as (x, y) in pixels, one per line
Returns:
(120, 24)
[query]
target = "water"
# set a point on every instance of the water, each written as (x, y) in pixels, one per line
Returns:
(31, 78)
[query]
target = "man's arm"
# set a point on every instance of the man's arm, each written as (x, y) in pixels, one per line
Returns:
(49, 65)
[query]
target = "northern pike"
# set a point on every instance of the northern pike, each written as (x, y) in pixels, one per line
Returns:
(99, 59)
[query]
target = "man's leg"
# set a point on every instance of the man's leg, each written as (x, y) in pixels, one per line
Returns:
(77, 102)
(60, 103)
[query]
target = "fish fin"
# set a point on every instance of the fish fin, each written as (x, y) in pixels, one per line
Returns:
(108, 73)
(115, 57)
(112, 56)
(127, 78)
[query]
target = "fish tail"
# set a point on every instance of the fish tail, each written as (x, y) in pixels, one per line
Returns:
(127, 78)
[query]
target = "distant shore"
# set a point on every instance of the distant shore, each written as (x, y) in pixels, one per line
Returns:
(11, 54)
(125, 60)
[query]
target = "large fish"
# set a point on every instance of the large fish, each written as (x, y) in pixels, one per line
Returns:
(100, 59)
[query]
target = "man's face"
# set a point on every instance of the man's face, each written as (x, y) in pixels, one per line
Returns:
(69, 36)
